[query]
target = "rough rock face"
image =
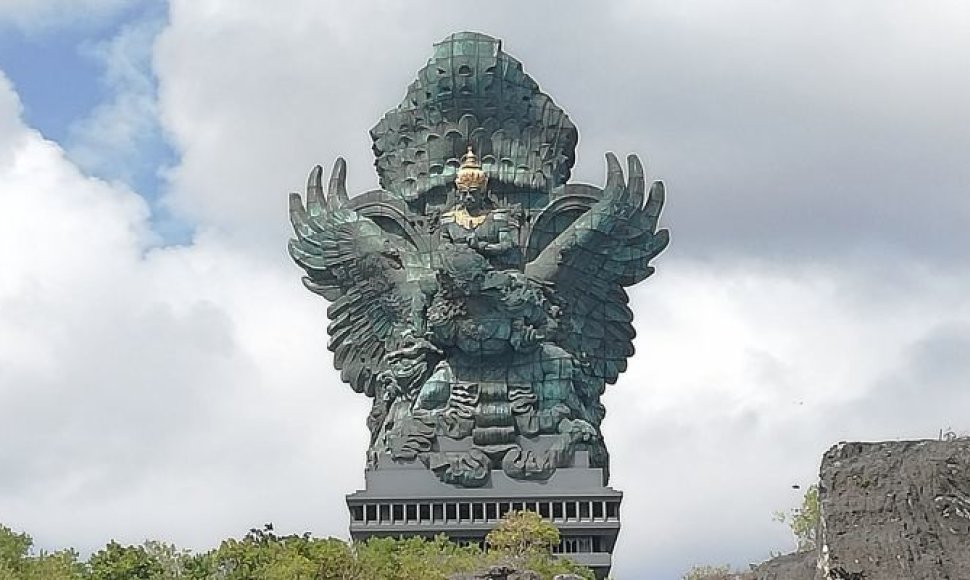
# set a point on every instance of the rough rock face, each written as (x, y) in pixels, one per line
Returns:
(797, 566)
(895, 510)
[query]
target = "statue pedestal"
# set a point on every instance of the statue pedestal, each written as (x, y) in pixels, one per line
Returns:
(406, 499)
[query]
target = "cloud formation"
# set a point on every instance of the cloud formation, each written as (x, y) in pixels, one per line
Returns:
(121, 139)
(813, 292)
(134, 378)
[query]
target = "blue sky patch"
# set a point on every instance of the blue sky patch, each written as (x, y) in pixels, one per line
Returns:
(90, 87)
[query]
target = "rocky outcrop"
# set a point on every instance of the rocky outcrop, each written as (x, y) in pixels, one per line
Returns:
(896, 510)
(797, 566)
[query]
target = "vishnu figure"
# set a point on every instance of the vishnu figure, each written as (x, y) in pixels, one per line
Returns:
(475, 221)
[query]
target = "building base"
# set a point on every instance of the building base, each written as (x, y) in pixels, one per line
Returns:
(406, 499)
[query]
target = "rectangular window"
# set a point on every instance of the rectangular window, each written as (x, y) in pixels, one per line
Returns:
(411, 513)
(425, 511)
(463, 512)
(557, 510)
(385, 513)
(503, 508)
(612, 510)
(370, 513)
(478, 512)
(544, 510)
(571, 510)
(397, 512)
(490, 511)
(437, 512)
(451, 511)
(584, 510)
(598, 510)
(357, 513)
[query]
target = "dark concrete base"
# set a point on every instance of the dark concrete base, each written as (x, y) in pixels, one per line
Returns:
(406, 499)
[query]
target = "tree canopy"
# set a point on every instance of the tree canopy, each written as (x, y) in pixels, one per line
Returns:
(521, 539)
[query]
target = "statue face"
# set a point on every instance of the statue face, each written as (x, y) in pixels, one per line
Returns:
(471, 198)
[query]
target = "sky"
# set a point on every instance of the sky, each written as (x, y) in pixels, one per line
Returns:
(163, 373)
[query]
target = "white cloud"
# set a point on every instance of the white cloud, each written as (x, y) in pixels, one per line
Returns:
(745, 375)
(137, 385)
(771, 120)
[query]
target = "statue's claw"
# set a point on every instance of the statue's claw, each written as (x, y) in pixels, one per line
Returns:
(655, 203)
(337, 190)
(314, 191)
(635, 185)
(614, 174)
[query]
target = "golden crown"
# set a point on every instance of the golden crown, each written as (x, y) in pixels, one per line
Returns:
(470, 173)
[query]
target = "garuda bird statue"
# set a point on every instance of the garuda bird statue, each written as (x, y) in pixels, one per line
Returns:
(477, 297)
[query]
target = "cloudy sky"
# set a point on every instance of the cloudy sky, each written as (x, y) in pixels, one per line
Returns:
(163, 373)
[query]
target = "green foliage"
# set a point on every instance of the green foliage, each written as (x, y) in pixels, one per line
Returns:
(521, 533)
(394, 559)
(709, 573)
(803, 520)
(13, 550)
(525, 540)
(174, 563)
(265, 555)
(117, 562)
(548, 566)
(261, 554)
(59, 565)
(17, 562)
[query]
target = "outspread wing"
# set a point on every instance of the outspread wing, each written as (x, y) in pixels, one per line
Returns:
(360, 268)
(602, 251)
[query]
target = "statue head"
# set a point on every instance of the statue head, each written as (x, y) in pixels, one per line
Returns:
(471, 183)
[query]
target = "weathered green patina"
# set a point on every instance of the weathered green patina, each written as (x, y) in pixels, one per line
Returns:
(478, 298)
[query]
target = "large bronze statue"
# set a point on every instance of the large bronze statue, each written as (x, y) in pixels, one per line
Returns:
(478, 298)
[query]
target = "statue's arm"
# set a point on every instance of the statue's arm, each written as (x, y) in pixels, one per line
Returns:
(504, 244)
(506, 239)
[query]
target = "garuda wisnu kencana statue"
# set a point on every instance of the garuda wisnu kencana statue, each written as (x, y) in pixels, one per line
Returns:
(477, 297)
